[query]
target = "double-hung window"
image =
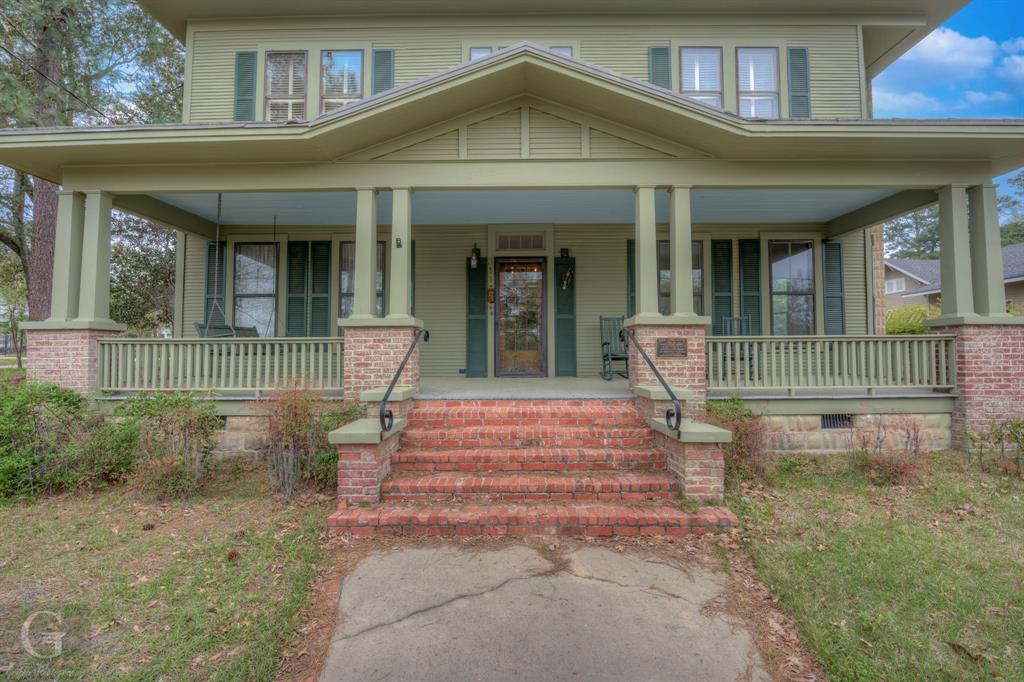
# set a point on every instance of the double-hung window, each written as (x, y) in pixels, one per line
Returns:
(758, 81)
(702, 74)
(341, 78)
(255, 283)
(665, 277)
(348, 274)
(792, 277)
(286, 86)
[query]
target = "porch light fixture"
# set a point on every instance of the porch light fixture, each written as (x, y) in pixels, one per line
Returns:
(474, 257)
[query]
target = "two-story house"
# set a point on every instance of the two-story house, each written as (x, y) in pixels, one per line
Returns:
(523, 180)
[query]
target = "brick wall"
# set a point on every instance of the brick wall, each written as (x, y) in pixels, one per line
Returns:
(362, 468)
(989, 376)
(372, 354)
(66, 357)
(699, 467)
(687, 373)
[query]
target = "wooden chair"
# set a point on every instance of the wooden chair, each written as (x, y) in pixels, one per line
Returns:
(613, 348)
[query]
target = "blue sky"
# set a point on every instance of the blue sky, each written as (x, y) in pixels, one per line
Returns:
(971, 67)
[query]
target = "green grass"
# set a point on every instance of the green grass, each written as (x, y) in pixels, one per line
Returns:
(8, 372)
(212, 591)
(919, 583)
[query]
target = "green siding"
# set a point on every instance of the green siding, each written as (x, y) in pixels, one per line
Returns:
(193, 289)
(855, 283)
(565, 317)
(216, 264)
(498, 137)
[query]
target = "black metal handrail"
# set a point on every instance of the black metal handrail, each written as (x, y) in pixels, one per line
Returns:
(674, 416)
(387, 419)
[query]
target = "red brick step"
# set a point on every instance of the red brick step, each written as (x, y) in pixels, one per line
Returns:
(525, 436)
(593, 486)
(527, 459)
(576, 519)
(445, 414)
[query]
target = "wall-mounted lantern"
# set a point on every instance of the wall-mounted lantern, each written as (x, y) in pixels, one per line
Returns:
(474, 257)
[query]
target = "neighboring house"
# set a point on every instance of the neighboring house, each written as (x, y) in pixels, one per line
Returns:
(925, 275)
(504, 175)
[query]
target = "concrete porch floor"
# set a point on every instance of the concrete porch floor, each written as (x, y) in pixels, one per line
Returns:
(514, 388)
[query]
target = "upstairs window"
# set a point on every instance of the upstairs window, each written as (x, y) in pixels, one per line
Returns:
(758, 80)
(702, 74)
(479, 53)
(286, 86)
(895, 286)
(564, 50)
(341, 78)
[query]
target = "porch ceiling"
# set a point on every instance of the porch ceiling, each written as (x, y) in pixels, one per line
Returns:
(529, 206)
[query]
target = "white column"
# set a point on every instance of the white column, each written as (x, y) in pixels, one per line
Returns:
(94, 293)
(646, 253)
(681, 250)
(955, 253)
(401, 254)
(986, 252)
(364, 293)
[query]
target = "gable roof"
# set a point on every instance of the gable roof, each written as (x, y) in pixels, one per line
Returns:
(924, 271)
(522, 69)
(1013, 270)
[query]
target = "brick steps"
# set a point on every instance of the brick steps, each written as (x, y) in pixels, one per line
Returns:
(578, 519)
(527, 459)
(527, 435)
(552, 486)
(440, 415)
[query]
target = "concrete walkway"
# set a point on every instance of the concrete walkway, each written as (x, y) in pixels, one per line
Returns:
(452, 614)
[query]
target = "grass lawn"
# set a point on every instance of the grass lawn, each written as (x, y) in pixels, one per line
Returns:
(908, 583)
(206, 589)
(8, 371)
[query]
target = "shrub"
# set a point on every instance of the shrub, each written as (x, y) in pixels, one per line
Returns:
(297, 422)
(1001, 445)
(909, 319)
(101, 452)
(888, 452)
(176, 438)
(746, 455)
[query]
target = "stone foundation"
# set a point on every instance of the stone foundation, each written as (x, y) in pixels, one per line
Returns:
(686, 372)
(66, 357)
(804, 434)
(241, 437)
(372, 355)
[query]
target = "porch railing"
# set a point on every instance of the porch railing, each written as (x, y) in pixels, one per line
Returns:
(791, 363)
(243, 365)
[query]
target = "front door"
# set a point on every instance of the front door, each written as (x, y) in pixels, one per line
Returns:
(519, 335)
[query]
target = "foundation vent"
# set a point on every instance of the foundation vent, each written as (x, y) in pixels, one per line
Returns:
(837, 421)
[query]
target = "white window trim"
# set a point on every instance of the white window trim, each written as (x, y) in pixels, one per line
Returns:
(691, 94)
(364, 85)
(267, 99)
(312, 68)
(777, 92)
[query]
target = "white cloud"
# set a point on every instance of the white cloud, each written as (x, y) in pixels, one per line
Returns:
(997, 97)
(888, 104)
(951, 55)
(1013, 45)
(1012, 69)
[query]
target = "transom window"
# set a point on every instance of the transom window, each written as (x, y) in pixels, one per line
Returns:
(520, 242)
(341, 78)
(665, 277)
(792, 279)
(564, 50)
(482, 51)
(286, 86)
(758, 81)
(479, 52)
(702, 74)
(256, 287)
(895, 286)
(348, 274)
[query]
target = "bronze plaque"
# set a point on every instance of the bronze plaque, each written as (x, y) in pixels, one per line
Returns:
(671, 348)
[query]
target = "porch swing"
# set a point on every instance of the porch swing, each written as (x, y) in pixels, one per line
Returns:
(206, 329)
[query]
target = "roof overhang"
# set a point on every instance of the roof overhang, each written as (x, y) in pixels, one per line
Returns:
(519, 70)
(891, 27)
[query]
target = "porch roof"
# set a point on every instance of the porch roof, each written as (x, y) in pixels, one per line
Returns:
(523, 69)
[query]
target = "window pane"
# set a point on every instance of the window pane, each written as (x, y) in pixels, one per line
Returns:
(563, 50)
(702, 69)
(760, 106)
(348, 270)
(792, 279)
(758, 69)
(256, 311)
(341, 77)
(286, 86)
(710, 100)
(255, 269)
(478, 52)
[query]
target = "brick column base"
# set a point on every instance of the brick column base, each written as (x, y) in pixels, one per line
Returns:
(362, 468)
(687, 372)
(699, 467)
(989, 376)
(372, 355)
(66, 357)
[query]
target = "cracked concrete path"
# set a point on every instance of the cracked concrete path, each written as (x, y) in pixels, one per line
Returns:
(447, 613)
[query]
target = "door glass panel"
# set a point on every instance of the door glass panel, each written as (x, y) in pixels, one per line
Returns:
(520, 319)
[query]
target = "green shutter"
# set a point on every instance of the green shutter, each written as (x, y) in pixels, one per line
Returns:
(298, 273)
(750, 283)
(721, 284)
(320, 289)
(476, 319)
(799, 83)
(565, 317)
(835, 313)
(245, 86)
(630, 278)
(216, 258)
(383, 71)
(659, 66)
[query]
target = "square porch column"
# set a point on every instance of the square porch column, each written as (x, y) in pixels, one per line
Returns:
(64, 349)
(375, 346)
(955, 254)
(674, 342)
